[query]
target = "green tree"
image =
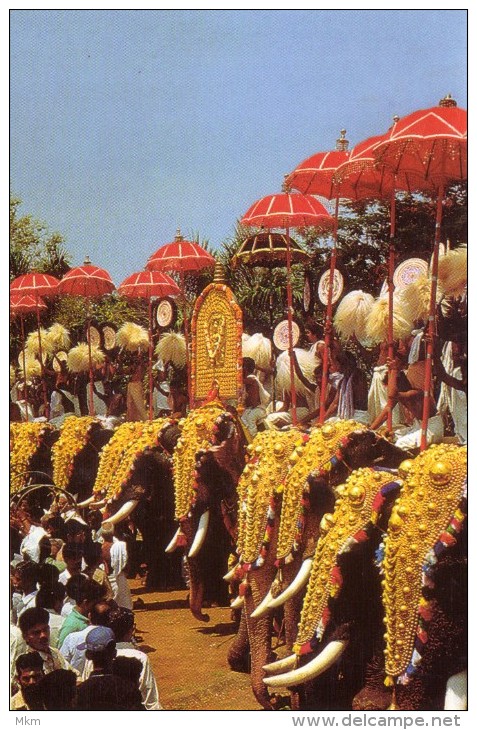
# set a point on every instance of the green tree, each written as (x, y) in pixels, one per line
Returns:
(33, 247)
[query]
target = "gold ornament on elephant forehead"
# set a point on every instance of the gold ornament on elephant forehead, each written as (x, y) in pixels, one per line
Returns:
(196, 434)
(314, 454)
(269, 464)
(352, 512)
(428, 501)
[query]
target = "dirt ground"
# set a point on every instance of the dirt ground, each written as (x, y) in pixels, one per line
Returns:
(189, 658)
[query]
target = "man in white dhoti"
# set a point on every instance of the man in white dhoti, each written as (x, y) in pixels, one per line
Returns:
(115, 556)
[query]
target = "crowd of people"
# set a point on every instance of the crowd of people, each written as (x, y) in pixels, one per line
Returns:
(120, 388)
(365, 395)
(72, 626)
(73, 642)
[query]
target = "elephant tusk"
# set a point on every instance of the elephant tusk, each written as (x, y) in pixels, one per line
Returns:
(238, 602)
(123, 512)
(281, 665)
(200, 534)
(264, 606)
(299, 582)
(98, 505)
(329, 656)
(456, 692)
(229, 577)
(86, 502)
(173, 543)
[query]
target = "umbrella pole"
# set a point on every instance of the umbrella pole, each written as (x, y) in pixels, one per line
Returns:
(186, 337)
(270, 311)
(43, 382)
(328, 321)
(91, 381)
(25, 389)
(432, 322)
(391, 263)
(290, 331)
(150, 359)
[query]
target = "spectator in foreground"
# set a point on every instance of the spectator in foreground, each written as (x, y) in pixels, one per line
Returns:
(103, 690)
(29, 674)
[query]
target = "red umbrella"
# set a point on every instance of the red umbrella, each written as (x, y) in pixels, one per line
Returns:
(360, 179)
(36, 285)
(146, 285)
(289, 210)
(316, 176)
(87, 281)
(183, 257)
(21, 304)
(430, 143)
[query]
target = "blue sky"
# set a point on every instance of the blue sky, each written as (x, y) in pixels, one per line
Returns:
(127, 124)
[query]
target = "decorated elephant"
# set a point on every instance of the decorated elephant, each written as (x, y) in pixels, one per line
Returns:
(76, 454)
(208, 460)
(134, 480)
(30, 454)
(295, 502)
(415, 590)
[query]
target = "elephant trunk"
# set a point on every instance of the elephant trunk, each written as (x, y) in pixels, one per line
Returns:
(196, 596)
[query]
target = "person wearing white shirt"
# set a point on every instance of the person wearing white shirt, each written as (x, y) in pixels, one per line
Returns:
(30, 545)
(51, 598)
(24, 579)
(115, 556)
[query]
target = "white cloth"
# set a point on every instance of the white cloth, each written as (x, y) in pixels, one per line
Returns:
(30, 545)
(251, 417)
(147, 681)
(69, 648)
(17, 646)
(28, 601)
(378, 396)
(283, 418)
(410, 437)
(55, 623)
(66, 575)
(452, 399)
(118, 579)
(67, 606)
(413, 356)
(160, 401)
(100, 407)
(25, 408)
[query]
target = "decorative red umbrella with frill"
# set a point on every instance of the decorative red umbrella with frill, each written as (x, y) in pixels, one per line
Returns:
(183, 257)
(315, 175)
(432, 144)
(39, 286)
(358, 178)
(90, 282)
(21, 304)
(149, 285)
(289, 210)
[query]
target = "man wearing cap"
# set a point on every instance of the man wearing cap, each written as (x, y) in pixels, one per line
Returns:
(121, 621)
(103, 690)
